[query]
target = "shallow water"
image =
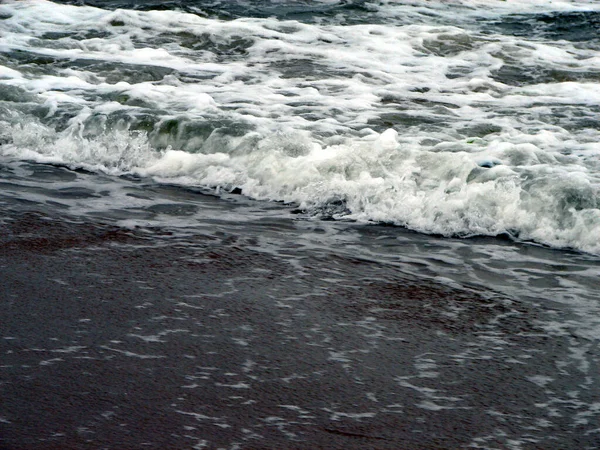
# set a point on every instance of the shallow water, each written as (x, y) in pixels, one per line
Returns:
(156, 316)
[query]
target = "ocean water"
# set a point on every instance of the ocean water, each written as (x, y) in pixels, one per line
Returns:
(452, 118)
(456, 142)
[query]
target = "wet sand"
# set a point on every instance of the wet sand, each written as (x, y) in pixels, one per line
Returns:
(141, 338)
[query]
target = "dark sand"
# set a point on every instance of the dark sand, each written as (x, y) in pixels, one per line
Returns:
(113, 338)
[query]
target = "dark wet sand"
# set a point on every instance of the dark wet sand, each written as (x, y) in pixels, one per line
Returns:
(113, 338)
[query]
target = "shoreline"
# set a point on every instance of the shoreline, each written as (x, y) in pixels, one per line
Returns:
(115, 338)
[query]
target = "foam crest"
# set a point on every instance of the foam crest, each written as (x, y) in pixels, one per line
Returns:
(117, 152)
(447, 193)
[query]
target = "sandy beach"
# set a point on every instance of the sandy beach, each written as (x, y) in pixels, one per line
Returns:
(120, 338)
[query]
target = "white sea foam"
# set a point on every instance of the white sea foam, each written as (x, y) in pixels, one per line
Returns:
(412, 124)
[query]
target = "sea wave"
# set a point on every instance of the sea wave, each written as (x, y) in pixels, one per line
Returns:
(440, 128)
